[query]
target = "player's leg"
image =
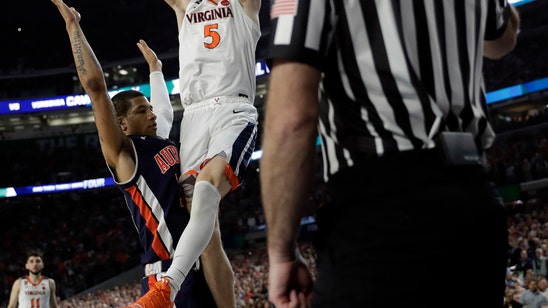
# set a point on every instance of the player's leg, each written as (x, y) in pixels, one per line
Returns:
(214, 261)
(218, 272)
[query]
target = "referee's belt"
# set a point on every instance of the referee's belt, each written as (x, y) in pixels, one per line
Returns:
(452, 149)
(162, 266)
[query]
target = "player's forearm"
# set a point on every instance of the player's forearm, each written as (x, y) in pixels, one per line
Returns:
(159, 98)
(286, 178)
(287, 165)
(87, 66)
(92, 79)
(179, 8)
(281, 201)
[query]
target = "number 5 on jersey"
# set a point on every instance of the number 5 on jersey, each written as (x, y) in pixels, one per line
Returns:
(211, 31)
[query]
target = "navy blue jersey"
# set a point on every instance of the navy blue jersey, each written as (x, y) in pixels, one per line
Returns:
(154, 198)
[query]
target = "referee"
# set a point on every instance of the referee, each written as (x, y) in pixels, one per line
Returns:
(395, 90)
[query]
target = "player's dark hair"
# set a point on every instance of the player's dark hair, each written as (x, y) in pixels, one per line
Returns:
(35, 253)
(122, 101)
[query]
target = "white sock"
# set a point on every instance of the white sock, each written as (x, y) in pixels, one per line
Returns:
(196, 236)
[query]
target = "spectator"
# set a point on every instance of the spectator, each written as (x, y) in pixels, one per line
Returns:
(532, 297)
(510, 301)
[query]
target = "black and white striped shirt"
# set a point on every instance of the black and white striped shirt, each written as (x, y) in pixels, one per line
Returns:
(395, 72)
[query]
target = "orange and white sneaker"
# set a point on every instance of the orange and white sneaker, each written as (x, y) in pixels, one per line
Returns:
(156, 297)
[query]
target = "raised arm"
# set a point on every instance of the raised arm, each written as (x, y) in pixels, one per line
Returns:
(114, 143)
(179, 7)
(159, 95)
(498, 48)
(252, 8)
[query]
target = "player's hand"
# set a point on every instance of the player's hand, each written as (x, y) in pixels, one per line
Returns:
(289, 283)
(150, 56)
(70, 15)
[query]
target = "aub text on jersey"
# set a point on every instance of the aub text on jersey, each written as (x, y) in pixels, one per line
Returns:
(167, 158)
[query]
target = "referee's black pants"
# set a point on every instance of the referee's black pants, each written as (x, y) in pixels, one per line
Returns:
(410, 231)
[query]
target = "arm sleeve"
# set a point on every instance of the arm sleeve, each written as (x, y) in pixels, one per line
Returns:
(300, 33)
(159, 98)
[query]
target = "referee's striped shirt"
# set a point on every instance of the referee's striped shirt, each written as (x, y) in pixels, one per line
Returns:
(396, 72)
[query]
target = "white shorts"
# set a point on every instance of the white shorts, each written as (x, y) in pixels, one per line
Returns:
(224, 126)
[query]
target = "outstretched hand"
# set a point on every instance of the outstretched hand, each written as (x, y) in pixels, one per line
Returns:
(150, 56)
(69, 14)
(290, 283)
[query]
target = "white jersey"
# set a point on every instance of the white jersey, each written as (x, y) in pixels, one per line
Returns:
(217, 43)
(34, 295)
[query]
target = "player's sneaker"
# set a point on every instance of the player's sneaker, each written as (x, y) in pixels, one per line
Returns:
(156, 297)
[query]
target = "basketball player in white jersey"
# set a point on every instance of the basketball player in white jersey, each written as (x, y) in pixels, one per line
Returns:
(217, 41)
(33, 290)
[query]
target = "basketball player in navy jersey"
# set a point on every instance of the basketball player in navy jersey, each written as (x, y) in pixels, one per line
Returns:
(33, 290)
(143, 162)
(217, 40)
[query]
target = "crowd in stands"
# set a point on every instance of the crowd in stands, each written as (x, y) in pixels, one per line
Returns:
(251, 274)
(528, 252)
(520, 156)
(88, 237)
